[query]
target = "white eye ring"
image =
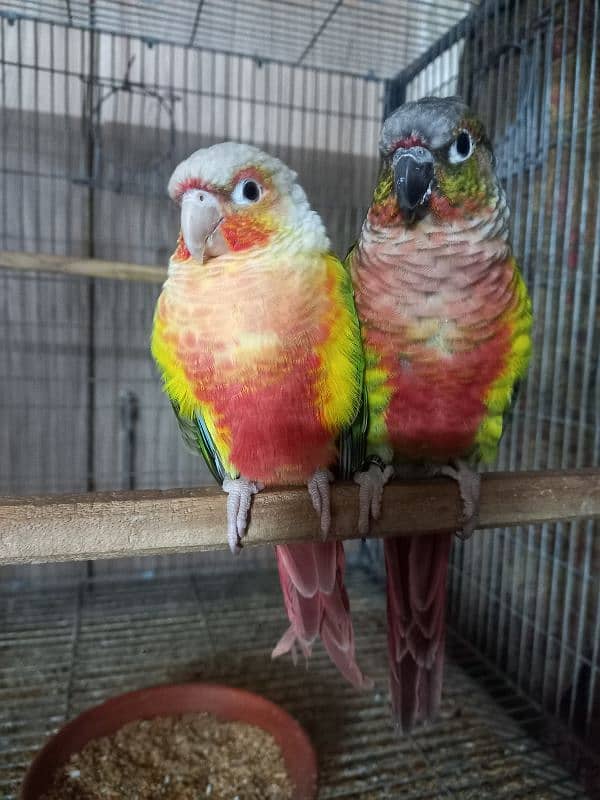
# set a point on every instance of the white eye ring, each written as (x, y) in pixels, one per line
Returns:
(247, 192)
(461, 148)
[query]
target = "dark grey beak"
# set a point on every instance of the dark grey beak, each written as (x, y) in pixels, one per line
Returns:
(413, 173)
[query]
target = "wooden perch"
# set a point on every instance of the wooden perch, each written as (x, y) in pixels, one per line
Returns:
(84, 267)
(106, 525)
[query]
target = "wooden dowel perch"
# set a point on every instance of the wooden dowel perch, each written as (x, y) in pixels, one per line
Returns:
(106, 525)
(83, 267)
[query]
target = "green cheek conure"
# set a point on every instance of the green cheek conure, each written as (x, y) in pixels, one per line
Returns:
(446, 323)
(256, 337)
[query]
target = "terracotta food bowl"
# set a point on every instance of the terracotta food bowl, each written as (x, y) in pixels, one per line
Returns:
(223, 702)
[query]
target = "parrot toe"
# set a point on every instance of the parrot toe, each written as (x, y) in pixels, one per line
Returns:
(320, 494)
(469, 486)
(371, 484)
(240, 491)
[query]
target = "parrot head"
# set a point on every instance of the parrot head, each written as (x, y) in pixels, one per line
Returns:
(436, 160)
(234, 198)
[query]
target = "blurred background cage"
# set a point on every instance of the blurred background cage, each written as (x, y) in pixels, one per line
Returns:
(99, 100)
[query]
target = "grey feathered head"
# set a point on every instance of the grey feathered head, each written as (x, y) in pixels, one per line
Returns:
(437, 146)
(433, 120)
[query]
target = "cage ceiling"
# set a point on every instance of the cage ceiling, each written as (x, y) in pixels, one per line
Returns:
(374, 38)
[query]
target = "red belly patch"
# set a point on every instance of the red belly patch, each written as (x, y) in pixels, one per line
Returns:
(437, 403)
(275, 431)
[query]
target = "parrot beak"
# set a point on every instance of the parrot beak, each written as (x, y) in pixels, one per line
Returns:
(200, 218)
(413, 174)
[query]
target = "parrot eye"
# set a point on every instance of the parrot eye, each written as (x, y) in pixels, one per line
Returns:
(246, 192)
(461, 148)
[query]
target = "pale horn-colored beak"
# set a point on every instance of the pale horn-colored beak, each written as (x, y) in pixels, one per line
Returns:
(200, 218)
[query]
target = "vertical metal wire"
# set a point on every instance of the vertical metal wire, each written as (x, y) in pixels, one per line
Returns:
(54, 157)
(115, 102)
(518, 425)
(532, 405)
(592, 337)
(515, 152)
(563, 322)
(51, 363)
(5, 357)
(91, 250)
(547, 353)
(363, 179)
(549, 343)
(524, 192)
(68, 216)
(268, 107)
(304, 122)
(487, 565)
(129, 121)
(556, 394)
(595, 660)
(291, 128)
(5, 131)
(36, 216)
(329, 132)
(253, 100)
(469, 556)
(490, 566)
(587, 357)
(511, 544)
(279, 115)
(20, 200)
(236, 96)
(591, 329)
(148, 78)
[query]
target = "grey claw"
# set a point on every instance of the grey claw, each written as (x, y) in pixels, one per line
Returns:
(320, 495)
(240, 491)
(469, 486)
(370, 497)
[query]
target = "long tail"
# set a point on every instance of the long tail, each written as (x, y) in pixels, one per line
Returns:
(416, 568)
(317, 605)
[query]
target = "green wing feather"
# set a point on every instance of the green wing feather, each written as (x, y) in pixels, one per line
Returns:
(352, 442)
(199, 440)
(506, 386)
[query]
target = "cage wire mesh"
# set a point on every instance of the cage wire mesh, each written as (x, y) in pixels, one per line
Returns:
(70, 648)
(101, 99)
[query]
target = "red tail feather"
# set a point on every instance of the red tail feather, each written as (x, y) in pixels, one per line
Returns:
(417, 567)
(316, 601)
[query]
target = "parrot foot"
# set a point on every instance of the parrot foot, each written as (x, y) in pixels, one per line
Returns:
(240, 491)
(290, 643)
(371, 484)
(320, 494)
(469, 485)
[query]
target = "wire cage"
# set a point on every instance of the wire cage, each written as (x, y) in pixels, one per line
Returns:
(99, 101)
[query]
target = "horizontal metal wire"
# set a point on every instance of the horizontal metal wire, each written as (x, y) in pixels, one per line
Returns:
(343, 37)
